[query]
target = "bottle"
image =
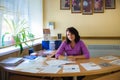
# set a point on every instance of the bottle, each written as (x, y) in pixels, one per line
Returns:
(65, 54)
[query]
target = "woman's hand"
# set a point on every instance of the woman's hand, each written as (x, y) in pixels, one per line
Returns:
(74, 58)
(71, 58)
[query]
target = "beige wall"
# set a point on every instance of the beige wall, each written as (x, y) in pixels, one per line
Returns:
(98, 24)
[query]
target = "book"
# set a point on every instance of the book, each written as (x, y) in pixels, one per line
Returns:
(31, 57)
(12, 61)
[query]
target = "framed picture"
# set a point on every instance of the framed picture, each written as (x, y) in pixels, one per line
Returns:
(109, 4)
(87, 8)
(98, 6)
(65, 4)
(76, 6)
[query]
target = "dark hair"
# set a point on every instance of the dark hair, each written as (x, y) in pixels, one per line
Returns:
(72, 30)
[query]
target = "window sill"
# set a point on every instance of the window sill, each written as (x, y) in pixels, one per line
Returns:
(11, 49)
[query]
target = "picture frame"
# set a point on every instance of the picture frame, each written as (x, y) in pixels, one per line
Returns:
(99, 6)
(110, 4)
(87, 7)
(76, 6)
(64, 4)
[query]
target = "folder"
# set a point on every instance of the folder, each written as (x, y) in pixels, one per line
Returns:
(12, 61)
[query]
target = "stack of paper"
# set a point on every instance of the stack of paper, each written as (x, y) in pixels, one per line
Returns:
(58, 62)
(71, 68)
(90, 66)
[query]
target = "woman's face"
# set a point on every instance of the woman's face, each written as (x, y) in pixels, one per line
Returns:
(70, 36)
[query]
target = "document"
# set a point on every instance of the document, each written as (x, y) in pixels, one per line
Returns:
(58, 62)
(34, 70)
(108, 57)
(116, 62)
(32, 66)
(90, 66)
(105, 64)
(70, 68)
(48, 52)
(51, 69)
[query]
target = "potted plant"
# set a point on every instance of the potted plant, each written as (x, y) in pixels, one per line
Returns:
(20, 33)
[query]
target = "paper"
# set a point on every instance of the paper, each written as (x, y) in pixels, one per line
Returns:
(58, 62)
(30, 70)
(28, 67)
(108, 57)
(32, 66)
(48, 52)
(90, 66)
(105, 64)
(70, 68)
(51, 69)
(116, 62)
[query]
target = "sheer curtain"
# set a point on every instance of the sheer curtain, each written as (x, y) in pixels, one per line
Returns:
(14, 9)
(31, 10)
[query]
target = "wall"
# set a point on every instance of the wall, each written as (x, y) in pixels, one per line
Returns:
(99, 24)
(36, 18)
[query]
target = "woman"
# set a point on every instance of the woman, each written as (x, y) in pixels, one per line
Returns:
(73, 47)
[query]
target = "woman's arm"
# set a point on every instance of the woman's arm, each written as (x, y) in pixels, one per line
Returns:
(84, 50)
(60, 50)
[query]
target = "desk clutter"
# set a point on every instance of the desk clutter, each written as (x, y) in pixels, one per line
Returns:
(113, 59)
(43, 65)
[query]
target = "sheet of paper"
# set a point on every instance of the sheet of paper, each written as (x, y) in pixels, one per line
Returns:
(30, 64)
(30, 70)
(108, 57)
(51, 69)
(28, 67)
(116, 62)
(105, 64)
(71, 68)
(90, 66)
(48, 51)
(58, 62)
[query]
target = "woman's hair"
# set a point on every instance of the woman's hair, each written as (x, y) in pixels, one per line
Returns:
(72, 30)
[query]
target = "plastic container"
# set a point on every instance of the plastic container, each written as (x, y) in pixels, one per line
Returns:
(52, 45)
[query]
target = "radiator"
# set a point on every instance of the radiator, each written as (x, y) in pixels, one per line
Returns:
(102, 50)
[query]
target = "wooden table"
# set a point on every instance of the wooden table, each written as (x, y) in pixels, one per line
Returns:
(83, 72)
(112, 76)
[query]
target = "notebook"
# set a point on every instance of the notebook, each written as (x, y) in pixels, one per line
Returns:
(12, 61)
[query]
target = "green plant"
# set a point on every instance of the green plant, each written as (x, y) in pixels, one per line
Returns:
(20, 32)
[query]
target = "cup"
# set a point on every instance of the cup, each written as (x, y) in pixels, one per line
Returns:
(59, 36)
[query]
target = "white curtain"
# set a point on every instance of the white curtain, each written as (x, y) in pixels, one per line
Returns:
(16, 9)
(31, 10)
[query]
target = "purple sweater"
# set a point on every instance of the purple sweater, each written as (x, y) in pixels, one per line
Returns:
(79, 49)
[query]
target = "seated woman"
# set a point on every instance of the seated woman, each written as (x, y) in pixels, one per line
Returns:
(73, 47)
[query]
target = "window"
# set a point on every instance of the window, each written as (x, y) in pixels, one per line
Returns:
(31, 10)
